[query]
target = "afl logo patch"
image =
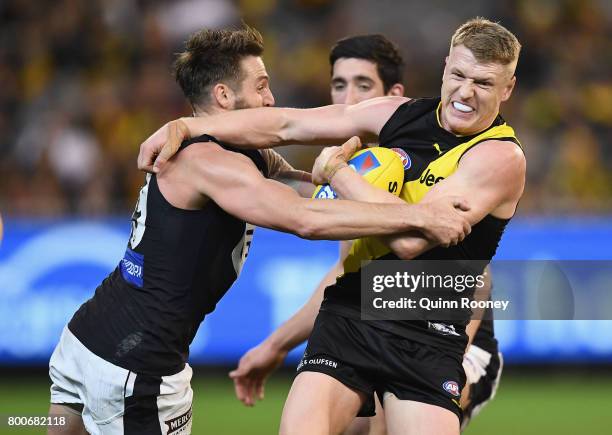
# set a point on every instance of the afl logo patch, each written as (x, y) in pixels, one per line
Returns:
(364, 163)
(404, 156)
(451, 387)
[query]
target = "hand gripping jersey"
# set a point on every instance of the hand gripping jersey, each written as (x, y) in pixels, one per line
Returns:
(430, 154)
(178, 264)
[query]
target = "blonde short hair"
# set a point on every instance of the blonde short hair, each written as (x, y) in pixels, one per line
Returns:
(488, 41)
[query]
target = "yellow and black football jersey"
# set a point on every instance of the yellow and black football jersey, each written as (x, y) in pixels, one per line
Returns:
(429, 154)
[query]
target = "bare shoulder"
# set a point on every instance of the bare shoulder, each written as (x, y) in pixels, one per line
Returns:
(496, 166)
(211, 170)
(210, 154)
(374, 113)
(380, 103)
(200, 149)
(184, 179)
(496, 154)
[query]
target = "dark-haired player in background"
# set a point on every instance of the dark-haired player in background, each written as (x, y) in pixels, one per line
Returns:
(364, 67)
(121, 364)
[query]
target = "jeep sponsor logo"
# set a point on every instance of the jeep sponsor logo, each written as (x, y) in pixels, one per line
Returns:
(178, 424)
(429, 179)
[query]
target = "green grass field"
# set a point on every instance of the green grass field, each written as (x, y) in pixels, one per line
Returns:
(526, 404)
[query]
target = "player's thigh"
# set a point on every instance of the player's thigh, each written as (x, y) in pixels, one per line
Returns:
(369, 425)
(66, 421)
(407, 417)
(319, 404)
(65, 372)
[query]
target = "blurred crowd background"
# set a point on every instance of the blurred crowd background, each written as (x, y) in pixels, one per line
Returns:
(84, 82)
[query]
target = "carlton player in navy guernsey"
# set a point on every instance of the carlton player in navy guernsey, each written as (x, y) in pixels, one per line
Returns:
(121, 364)
(464, 148)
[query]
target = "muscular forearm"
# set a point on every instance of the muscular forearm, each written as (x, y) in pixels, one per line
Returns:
(270, 204)
(251, 128)
(350, 185)
(471, 330)
(343, 220)
(271, 126)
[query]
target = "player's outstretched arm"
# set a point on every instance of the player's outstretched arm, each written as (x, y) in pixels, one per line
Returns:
(232, 181)
(266, 127)
(259, 362)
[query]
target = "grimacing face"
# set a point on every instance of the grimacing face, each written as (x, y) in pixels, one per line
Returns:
(473, 91)
(254, 89)
(355, 80)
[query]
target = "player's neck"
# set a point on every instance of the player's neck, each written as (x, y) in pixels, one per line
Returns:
(202, 112)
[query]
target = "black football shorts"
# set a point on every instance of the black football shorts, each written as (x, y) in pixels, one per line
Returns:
(372, 360)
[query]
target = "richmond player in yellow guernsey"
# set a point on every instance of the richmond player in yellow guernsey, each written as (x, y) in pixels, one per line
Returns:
(433, 153)
(365, 67)
(465, 149)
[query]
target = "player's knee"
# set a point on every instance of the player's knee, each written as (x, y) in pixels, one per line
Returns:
(298, 420)
(359, 426)
(64, 420)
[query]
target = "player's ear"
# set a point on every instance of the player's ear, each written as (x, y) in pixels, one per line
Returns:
(508, 89)
(397, 90)
(445, 65)
(223, 96)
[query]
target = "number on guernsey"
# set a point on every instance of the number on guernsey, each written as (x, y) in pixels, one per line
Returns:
(241, 250)
(140, 215)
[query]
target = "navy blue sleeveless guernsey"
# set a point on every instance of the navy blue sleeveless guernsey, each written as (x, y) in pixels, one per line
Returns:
(178, 264)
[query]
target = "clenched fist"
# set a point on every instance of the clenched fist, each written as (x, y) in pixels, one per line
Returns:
(332, 159)
(162, 145)
(445, 221)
